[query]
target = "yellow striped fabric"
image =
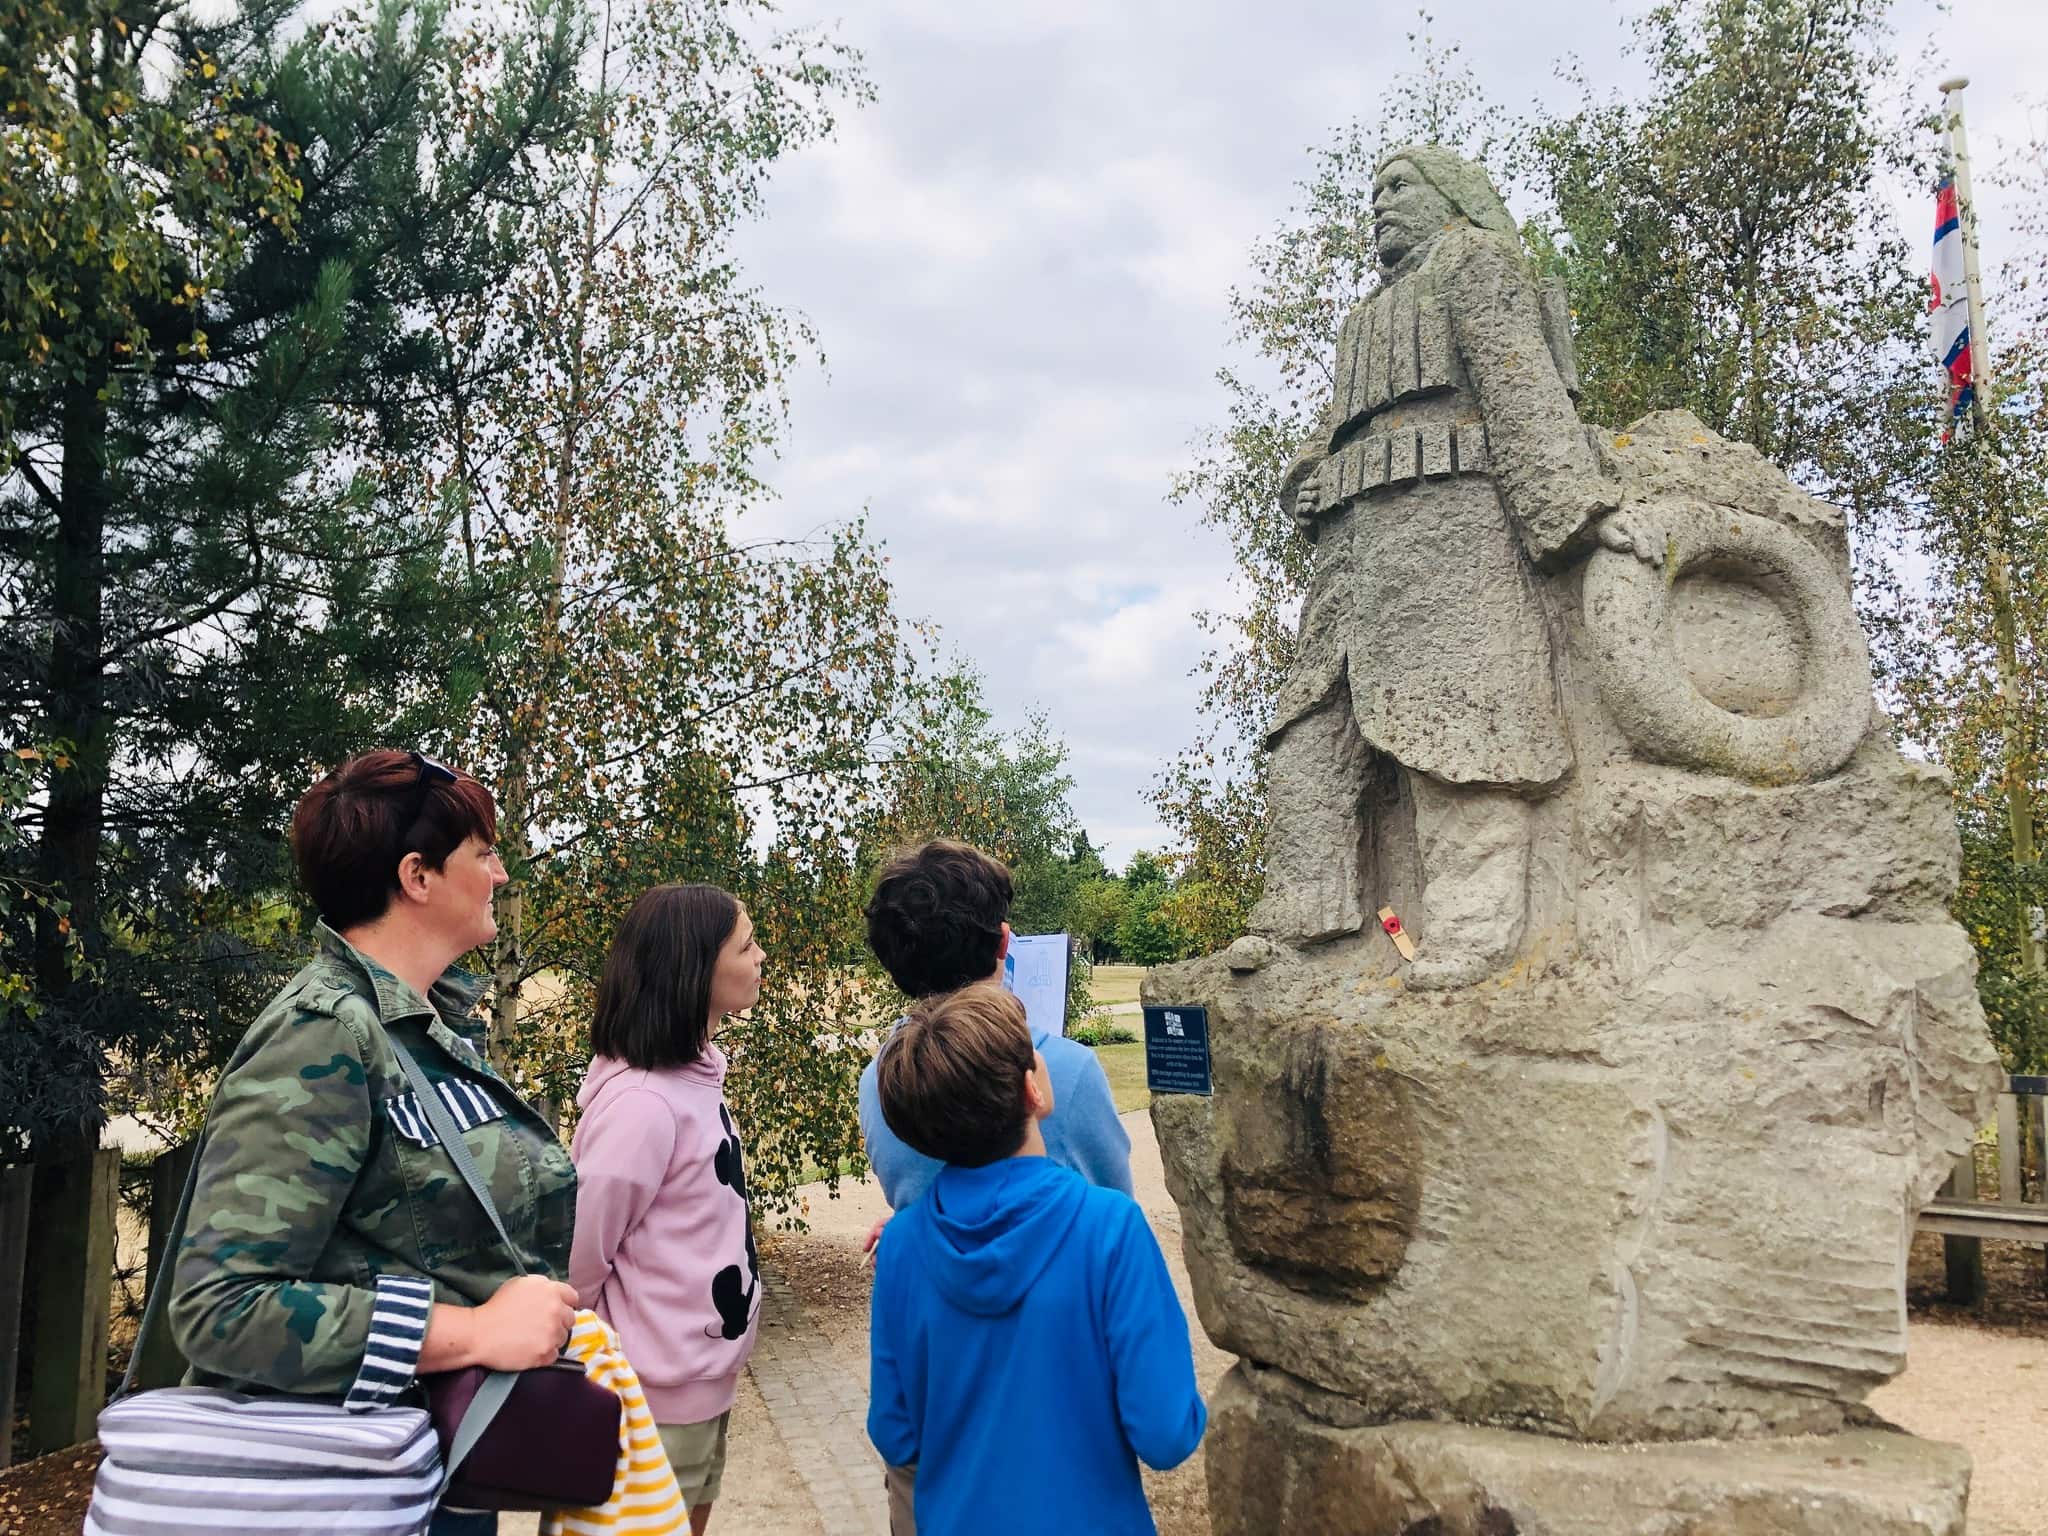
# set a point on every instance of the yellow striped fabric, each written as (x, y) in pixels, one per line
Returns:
(645, 1499)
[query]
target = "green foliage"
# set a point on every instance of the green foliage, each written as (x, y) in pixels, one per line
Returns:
(1726, 245)
(136, 177)
(1099, 904)
(660, 693)
(1093, 1035)
(1991, 903)
(1007, 794)
(45, 1062)
(1146, 934)
(1967, 681)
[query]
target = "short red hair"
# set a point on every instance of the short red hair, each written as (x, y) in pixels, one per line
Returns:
(353, 829)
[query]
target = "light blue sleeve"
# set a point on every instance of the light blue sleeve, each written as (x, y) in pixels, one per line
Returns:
(903, 1172)
(1085, 1132)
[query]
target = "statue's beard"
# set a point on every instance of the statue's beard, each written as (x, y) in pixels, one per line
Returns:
(1412, 255)
(1406, 259)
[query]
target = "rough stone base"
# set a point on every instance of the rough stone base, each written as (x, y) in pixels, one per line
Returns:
(1272, 1467)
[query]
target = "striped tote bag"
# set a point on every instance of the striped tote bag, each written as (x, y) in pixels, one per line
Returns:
(193, 1461)
(198, 1461)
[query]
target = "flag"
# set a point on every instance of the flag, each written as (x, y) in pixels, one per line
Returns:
(1951, 302)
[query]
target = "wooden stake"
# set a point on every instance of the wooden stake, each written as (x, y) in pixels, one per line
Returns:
(1397, 933)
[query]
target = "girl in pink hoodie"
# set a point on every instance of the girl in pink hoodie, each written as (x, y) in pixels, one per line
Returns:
(664, 1250)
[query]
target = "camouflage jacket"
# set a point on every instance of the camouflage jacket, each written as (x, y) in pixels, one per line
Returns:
(327, 1218)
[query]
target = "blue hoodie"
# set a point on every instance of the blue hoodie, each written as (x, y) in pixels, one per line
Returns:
(1082, 1132)
(1026, 1349)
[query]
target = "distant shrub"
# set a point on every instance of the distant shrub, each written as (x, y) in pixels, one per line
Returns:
(1102, 1034)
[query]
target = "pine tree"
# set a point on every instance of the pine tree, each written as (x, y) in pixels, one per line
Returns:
(219, 235)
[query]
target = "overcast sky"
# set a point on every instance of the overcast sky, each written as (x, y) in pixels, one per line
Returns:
(1018, 260)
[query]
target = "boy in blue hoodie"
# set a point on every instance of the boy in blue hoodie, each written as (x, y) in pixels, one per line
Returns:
(1026, 1347)
(938, 920)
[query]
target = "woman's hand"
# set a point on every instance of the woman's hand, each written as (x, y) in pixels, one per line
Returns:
(526, 1323)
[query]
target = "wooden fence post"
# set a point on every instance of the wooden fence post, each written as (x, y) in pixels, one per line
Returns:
(75, 1202)
(161, 1364)
(16, 1183)
(1963, 1257)
(2037, 1137)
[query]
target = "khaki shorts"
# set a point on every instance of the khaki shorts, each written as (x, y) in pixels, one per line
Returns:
(697, 1452)
(901, 1482)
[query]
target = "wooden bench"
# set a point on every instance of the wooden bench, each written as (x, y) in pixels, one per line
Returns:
(1964, 1219)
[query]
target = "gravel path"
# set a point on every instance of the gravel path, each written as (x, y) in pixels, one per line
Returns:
(1988, 1393)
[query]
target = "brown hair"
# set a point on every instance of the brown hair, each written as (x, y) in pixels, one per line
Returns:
(654, 999)
(935, 920)
(951, 1076)
(354, 828)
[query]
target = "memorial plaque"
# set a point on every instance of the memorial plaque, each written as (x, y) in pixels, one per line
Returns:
(1177, 1049)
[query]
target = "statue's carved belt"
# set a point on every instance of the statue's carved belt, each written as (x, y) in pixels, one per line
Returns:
(1393, 458)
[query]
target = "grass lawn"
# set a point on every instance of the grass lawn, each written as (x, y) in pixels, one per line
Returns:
(1125, 1065)
(1115, 983)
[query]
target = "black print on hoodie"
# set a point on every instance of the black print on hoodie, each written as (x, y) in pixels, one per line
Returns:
(734, 1301)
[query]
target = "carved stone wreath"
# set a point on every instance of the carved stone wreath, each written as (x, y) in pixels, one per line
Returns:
(1662, 712)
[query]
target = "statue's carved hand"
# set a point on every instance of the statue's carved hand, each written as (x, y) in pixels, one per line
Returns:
(1304, 509)
(1301, 502)
(1621, 534)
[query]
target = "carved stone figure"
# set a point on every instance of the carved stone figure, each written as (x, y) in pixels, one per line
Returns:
(1630, 1153)
(1450, 463)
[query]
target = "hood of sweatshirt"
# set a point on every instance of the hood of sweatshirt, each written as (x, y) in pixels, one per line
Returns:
(993, 1230)
(707, 1070)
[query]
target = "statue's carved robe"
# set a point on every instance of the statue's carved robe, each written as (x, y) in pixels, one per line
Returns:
(1452, 459)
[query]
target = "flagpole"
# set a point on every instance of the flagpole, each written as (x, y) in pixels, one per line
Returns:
(2018, 761)
(1966, 211)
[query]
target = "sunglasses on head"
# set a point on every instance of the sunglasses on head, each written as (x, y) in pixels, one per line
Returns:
(430, 774)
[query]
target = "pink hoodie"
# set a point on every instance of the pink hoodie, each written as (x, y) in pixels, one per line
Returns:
(664, 1251)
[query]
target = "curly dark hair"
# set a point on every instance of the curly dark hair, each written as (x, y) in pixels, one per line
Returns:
(936, 917)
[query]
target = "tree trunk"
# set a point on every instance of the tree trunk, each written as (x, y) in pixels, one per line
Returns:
(2019, 804)
(508, 967)
(68, 854)
(530, 715)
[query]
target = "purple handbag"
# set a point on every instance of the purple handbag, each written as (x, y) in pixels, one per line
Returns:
(553, 1445)
(547, 1438)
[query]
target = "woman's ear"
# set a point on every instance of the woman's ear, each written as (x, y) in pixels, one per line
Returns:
(412, 876)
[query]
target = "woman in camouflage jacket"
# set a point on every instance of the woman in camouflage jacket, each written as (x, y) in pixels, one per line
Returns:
(333, 1250)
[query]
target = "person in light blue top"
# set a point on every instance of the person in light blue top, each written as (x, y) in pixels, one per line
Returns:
(938, 920)
(1025, 1347)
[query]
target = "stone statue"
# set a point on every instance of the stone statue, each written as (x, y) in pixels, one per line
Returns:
(1629, 1152)
(1450, 462)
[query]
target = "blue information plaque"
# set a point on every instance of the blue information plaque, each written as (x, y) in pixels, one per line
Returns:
(1176, 1049)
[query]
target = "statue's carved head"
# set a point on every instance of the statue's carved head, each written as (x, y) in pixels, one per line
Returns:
(1422, 190)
